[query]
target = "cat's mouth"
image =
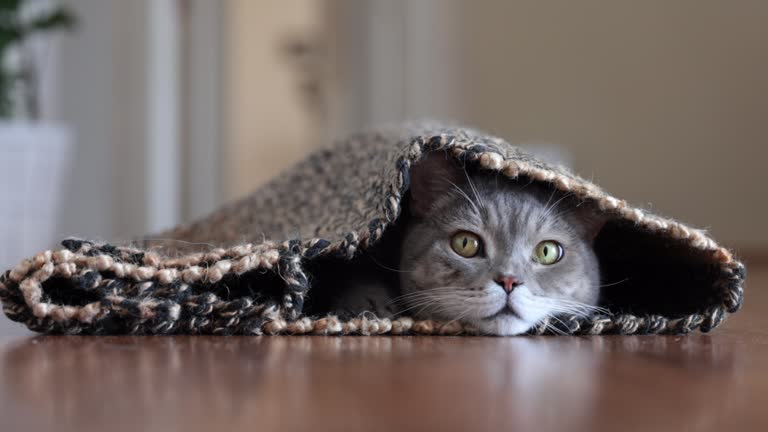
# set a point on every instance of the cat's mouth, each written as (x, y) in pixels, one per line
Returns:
(506, 311)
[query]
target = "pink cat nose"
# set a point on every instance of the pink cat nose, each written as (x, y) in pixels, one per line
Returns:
(508, 282)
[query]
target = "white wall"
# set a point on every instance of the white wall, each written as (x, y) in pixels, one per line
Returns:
(85, 97)
(119, 86)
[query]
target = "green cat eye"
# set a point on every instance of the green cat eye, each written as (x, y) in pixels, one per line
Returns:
(465, 244)
(548, 252)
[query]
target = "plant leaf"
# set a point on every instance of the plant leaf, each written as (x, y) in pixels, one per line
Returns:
(10, 5)
(59, 19)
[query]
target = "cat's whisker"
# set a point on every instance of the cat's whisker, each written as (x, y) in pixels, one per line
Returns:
(571, 312)
(549, 326)
(549, 200)
(585, 307)
(462, 312)
(566, 302)
(574, 310)
(553, 329)
(464, 195)
(548, 210)
(426, 302)
(574, 304)
(420, 300)
(441, 306)
(550, 213)
(446, 304)
(387, 268)
(475, 192)
(461, 316)
(416, 305)
(558, 320)
(425, 293)
(402, 312)
(612, 283)
(571, 307)
(432, 290)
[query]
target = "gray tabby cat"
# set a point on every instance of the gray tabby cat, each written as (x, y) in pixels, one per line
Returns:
(486, 251)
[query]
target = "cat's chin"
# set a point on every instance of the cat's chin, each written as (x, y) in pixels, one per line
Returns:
(503, 326)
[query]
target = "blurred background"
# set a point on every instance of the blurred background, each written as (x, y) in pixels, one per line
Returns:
(165, 109)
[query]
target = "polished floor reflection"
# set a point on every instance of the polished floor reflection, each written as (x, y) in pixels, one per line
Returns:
(696, 382)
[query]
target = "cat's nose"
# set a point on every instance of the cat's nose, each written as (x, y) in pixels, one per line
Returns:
(507, 282)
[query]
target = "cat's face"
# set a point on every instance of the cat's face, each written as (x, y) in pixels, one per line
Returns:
(495, 254)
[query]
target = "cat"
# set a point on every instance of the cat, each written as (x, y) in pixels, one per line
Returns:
(476, 247)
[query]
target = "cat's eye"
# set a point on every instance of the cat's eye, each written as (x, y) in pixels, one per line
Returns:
(548, 252)
(465, 244)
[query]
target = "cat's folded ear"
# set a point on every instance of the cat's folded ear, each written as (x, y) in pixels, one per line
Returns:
(591, 220)
(432, 177)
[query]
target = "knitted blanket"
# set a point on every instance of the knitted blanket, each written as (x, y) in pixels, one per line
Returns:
(249, 267)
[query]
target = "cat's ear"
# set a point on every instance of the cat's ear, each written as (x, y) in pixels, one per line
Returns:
(431, 178)
(591, 220)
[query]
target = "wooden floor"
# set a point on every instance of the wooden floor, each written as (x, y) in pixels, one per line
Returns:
(697, 382)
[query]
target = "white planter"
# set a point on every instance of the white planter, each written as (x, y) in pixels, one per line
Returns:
(34, 162)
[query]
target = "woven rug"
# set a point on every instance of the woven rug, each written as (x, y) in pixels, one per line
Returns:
(254, 266)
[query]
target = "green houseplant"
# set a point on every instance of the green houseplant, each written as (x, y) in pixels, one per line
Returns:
(16, 32)
(34, 152)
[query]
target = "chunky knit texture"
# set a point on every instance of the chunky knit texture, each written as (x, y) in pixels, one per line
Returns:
(243, 269)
